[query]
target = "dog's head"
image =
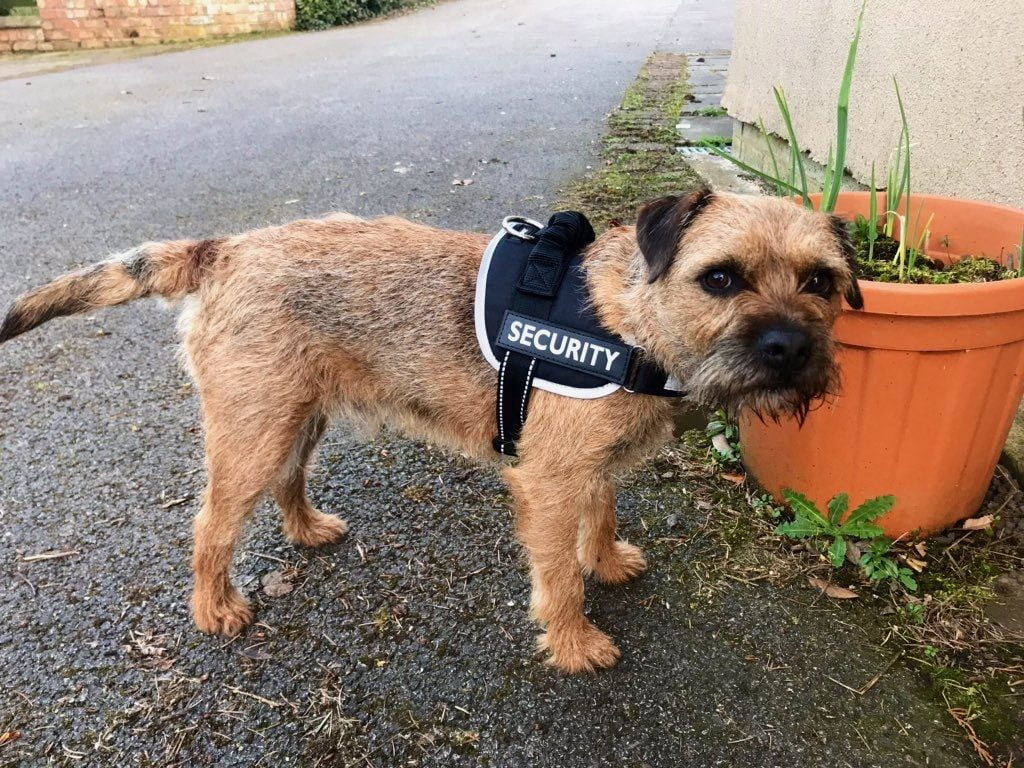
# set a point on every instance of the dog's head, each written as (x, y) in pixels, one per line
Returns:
(740, 295)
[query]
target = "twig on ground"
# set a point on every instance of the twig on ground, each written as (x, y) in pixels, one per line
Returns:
(49, 556)
(30, 584)
(240, 692)
(963, 719)
(873, 681)
(266, 557)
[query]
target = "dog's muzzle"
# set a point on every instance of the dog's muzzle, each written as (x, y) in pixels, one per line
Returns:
(779, 369)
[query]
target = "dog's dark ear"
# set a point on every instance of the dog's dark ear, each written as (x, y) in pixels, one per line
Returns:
(661, 224)
(842, 233)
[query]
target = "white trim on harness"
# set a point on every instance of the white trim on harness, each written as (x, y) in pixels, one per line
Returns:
(580, 393)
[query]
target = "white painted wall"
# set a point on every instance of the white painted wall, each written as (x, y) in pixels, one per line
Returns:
(960, 65)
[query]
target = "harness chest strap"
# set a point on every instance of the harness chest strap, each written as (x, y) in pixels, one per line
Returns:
(527, 335)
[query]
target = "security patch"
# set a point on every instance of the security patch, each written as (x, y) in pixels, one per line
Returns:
(564, 346)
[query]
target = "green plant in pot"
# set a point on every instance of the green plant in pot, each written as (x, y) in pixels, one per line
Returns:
(933, 366)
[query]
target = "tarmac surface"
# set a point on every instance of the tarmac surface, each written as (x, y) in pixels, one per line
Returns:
(408, 643)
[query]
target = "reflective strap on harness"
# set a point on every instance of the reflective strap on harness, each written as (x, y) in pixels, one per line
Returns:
(566, 234)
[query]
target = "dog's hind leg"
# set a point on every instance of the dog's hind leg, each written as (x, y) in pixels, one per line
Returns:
(302, 523)
(247, 444)
(600, 553)
(549, 506)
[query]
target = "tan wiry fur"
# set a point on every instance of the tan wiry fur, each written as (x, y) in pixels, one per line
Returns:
(291, 326)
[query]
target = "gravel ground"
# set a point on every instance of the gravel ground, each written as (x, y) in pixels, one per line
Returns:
(408, 643)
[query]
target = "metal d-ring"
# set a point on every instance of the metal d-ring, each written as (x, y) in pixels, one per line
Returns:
(509, 222)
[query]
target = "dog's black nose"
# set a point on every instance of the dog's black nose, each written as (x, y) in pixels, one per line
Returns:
(786, 349)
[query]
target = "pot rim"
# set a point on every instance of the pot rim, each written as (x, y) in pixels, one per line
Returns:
(955, 300)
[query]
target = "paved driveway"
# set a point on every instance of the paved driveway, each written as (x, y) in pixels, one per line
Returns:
(408, 643)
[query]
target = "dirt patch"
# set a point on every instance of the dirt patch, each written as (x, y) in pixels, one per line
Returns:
(1007, 606)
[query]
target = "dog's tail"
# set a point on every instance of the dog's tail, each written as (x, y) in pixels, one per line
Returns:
(171, 269)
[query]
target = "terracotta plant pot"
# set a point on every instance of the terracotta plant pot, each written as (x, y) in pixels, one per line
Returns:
(932, 376)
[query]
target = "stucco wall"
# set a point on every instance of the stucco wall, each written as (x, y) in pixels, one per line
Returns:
(960, 67)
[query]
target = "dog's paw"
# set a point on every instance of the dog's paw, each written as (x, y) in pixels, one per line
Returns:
(316, 530)
(583, 649)
(227, 616)
(622, 563)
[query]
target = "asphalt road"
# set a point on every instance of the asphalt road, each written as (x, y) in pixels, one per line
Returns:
(408, 643)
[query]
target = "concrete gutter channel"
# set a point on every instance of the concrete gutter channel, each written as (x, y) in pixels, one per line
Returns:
(707, 73)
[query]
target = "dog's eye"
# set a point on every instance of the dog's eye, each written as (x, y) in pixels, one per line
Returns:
(717, 281)
(819, 283)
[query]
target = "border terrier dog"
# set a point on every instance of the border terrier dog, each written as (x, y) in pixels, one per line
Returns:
(287, 327)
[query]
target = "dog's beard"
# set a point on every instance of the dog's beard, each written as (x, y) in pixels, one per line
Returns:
(730, 377)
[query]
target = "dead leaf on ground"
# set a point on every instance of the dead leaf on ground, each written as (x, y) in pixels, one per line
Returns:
(149, 648)
(256, 652)
(917, 565)
(275, 584)
(8, 736)
(832, 590)
(853, 552)
(734, 478)
(977, 523)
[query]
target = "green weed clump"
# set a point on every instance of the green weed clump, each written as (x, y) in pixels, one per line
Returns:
(321, 14)
(842, 530)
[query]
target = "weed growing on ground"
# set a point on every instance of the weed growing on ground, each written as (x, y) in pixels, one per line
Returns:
(716, 141)
(879, 565)
(639, 157)
(809, 522)
(849, 536)
(725, 437)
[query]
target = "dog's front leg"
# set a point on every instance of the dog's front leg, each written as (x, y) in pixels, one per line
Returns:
(600, 553)
(549, 507)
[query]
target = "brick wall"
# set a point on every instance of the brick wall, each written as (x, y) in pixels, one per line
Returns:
(22, 33)
(67, 24)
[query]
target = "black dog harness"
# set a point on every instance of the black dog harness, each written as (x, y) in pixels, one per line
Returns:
(535, 325)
